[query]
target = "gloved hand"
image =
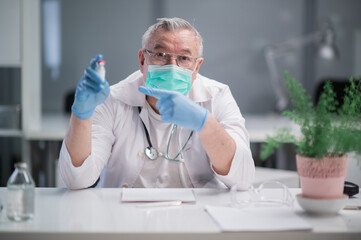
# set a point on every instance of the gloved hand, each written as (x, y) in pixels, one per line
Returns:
(90, 92)
(176, 108)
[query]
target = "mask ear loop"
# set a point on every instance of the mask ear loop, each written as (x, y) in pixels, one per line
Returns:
(196, 64)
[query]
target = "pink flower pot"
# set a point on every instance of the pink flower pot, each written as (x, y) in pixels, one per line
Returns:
(322, 178)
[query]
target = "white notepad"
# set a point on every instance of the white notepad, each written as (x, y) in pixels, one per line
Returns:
(157, 195)
(257, 218)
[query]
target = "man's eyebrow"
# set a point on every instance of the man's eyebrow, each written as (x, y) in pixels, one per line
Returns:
(159, 46)
(187, 51)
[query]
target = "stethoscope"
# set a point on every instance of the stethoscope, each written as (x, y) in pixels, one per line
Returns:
(153, 153)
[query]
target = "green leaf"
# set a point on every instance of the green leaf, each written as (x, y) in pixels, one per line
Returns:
(326, 129)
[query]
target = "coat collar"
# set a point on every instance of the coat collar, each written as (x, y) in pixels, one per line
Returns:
(200, 91)
(127, 90)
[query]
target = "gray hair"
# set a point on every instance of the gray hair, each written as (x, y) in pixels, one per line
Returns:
(172, 24)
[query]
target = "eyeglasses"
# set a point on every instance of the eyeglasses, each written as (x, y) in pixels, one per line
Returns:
(161, 58)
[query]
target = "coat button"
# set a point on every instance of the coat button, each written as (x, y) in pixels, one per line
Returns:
(141, 153)
(125, 185)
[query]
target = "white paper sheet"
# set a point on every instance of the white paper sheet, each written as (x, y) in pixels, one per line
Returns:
(157, 195)
(257, 218)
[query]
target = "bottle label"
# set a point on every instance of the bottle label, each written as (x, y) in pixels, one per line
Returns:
(100, 69)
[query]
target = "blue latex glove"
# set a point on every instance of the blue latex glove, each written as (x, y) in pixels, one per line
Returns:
(176, 108)
(90, 92)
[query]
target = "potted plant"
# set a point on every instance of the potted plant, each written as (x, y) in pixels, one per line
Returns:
(328, 132)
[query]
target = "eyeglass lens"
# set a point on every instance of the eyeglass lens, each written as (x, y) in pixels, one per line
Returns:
(160, 58)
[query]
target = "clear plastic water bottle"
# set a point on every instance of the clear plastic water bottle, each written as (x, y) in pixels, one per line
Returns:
(100, 69)
(20, 194)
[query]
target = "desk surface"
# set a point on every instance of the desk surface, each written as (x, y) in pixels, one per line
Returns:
(54, 126)
(99, 214)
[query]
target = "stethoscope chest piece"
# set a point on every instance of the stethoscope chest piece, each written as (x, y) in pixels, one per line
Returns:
(151, 153)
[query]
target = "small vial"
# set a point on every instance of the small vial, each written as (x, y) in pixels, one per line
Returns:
(100, 69)
(20, 194)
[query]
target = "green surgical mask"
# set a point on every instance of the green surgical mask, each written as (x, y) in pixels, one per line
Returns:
(169, 77)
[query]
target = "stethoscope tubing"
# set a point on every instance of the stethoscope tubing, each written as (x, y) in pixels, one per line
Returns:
(149, 150)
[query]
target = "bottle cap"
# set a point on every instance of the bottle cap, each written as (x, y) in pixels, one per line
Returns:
(21, 165)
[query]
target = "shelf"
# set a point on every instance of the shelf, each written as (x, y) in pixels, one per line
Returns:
(9, 64)
(52, 127)
(10, 132)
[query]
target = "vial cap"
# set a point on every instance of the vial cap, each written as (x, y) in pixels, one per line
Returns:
(101, 62)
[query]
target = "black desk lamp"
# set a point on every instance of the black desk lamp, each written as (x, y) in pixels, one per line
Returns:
(327, 50)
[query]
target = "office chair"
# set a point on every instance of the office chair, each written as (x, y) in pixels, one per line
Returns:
(68, 101)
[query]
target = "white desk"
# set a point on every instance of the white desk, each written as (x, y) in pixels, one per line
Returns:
(99, 214)
(260, 126)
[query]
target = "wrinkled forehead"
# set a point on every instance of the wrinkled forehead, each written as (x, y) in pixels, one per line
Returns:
(180, 41)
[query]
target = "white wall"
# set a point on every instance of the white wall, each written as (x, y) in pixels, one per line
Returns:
(235, 34)
(10, 33)
(111, 27)
(346, 18)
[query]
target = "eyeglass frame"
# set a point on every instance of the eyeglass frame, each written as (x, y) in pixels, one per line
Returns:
(170, 55)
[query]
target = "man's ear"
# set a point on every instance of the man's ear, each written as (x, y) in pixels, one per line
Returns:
(141, 59)
(199, 63)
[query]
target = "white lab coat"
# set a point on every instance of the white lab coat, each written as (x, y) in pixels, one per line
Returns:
(119, 140)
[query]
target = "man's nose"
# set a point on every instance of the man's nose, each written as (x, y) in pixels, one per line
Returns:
(172, 60)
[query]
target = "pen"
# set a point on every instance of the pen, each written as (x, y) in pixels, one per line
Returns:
(160, 204)
(352, 207)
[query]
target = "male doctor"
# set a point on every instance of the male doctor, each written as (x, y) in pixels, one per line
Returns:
(164, 126)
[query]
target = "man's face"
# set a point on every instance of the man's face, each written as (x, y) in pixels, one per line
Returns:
(180, 42)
